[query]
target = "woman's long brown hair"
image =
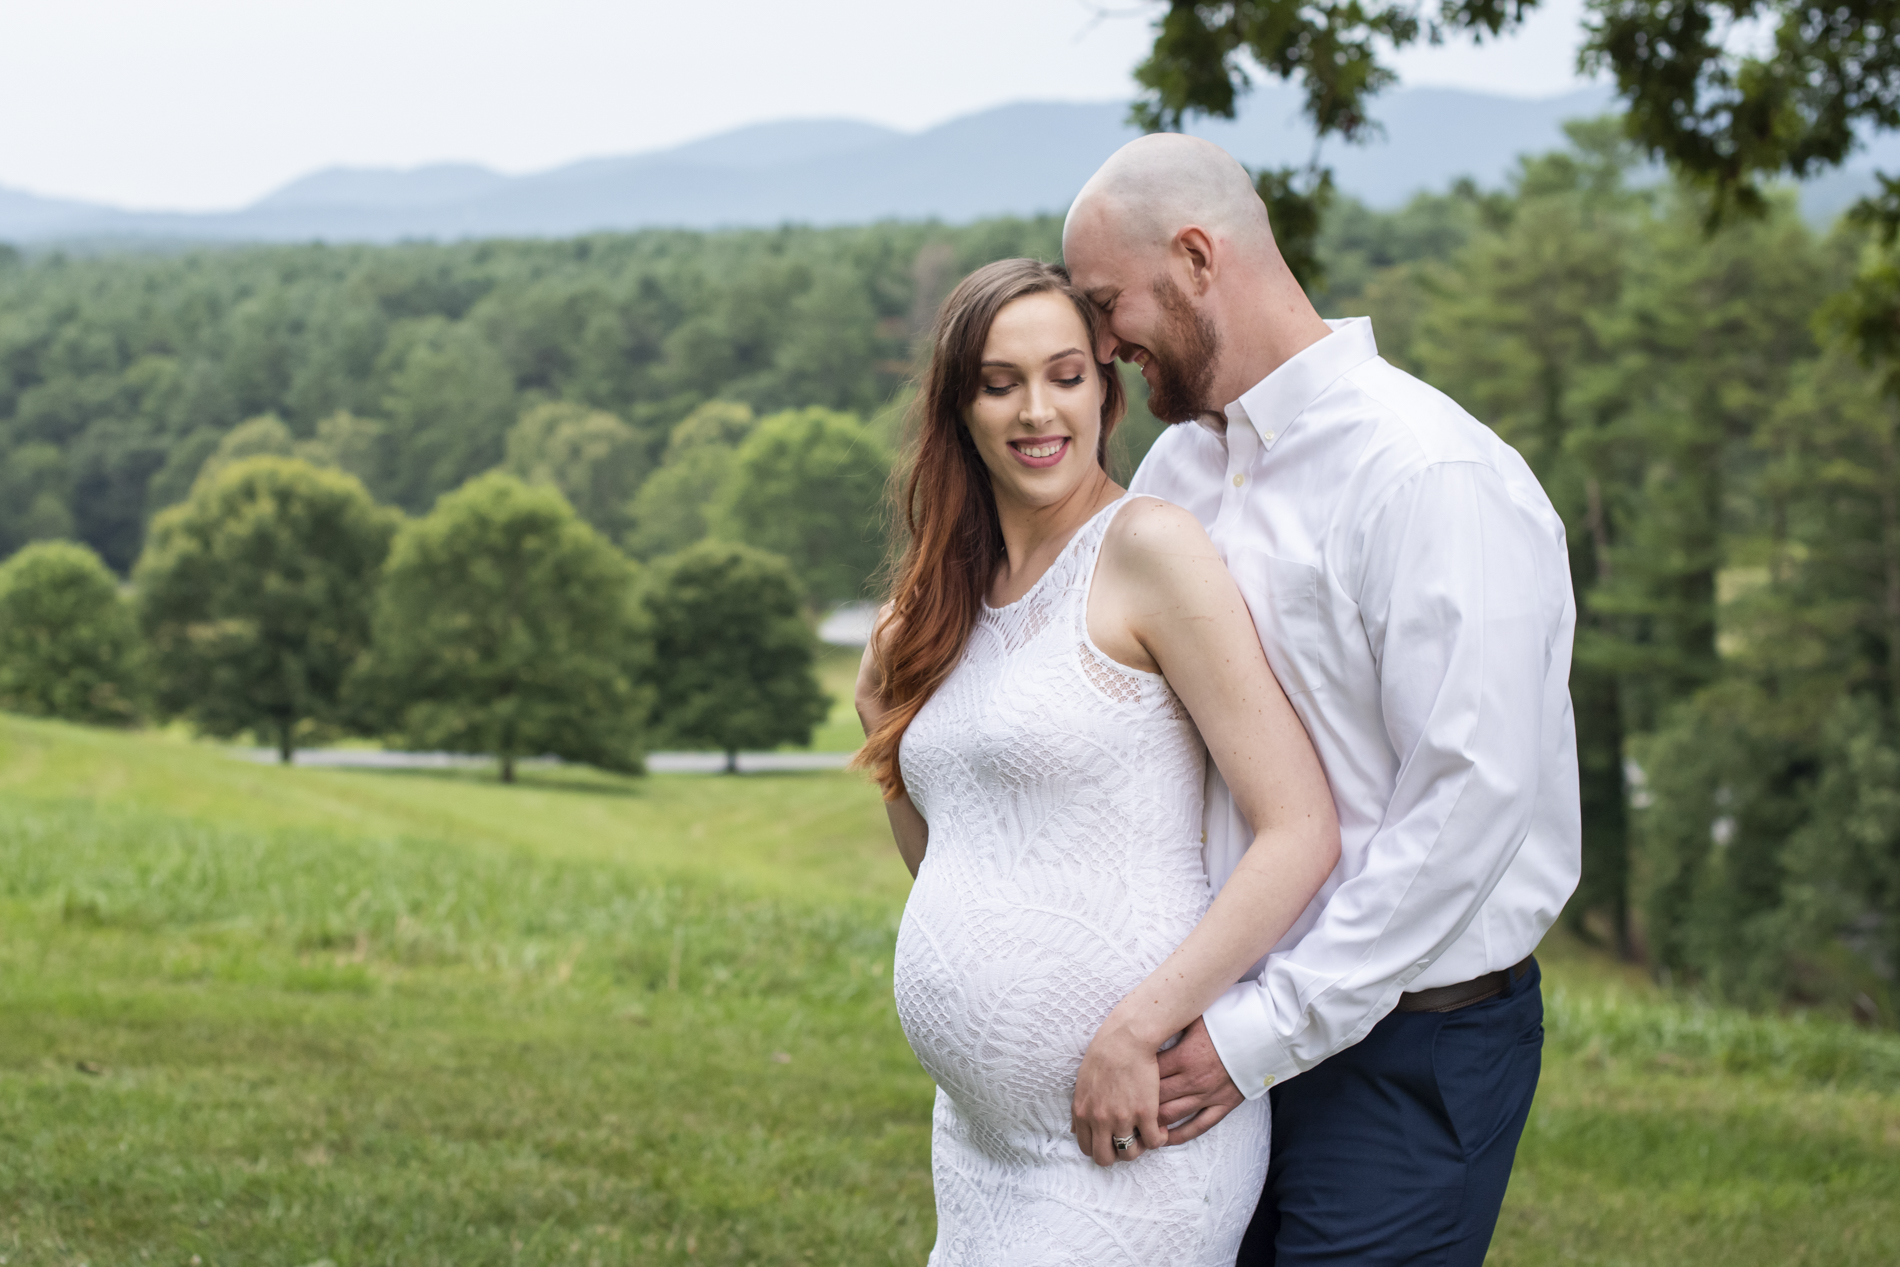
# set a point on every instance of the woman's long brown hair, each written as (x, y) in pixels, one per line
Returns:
(949, 508)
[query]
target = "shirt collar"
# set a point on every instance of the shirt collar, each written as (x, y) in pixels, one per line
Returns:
(1271, 405)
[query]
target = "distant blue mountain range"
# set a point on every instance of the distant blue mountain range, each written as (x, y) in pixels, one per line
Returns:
(1013, 160)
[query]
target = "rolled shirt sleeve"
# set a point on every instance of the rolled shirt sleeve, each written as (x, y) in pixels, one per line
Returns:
(1465, 601)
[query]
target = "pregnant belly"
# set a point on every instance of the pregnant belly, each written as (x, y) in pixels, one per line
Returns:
(1000, 993)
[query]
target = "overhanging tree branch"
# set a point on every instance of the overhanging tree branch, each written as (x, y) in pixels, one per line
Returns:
(1723, 117)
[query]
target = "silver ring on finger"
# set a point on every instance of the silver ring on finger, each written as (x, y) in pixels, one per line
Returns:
(1124, 1142)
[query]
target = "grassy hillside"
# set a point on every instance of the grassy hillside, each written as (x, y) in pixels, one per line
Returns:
(256, 1015)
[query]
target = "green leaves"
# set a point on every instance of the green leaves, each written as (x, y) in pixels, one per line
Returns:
(408, 365)
(1198, 62)
(33, 496)
(506, 625)
(592, 457)
(1296, 215)
(1727, 485)
(669, 512)
(1728, 119)
(808, 484)
(68, 643)
(1198, 66)
(450, 402)
(732, 652)
(501, 624)
(254, 596)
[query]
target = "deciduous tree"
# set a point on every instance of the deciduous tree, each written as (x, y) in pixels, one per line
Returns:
(1770, 848)
(351, 443)
(449, 401)
(507, 626)
(592, 457)
(669, 512)
(733, 653)
(1724, 113)
(33, 496)
(808, 484)
(68, 642)
(255, 595)
(263, 436)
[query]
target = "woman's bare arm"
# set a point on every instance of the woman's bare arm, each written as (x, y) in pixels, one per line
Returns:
(1163, 598)
(908, 827)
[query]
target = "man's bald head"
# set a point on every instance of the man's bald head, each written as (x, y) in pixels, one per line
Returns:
(1171, 243)
(1153, 187)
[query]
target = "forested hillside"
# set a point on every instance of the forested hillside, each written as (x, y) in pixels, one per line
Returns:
(121, 376)
(1708, 410)
(409, 365)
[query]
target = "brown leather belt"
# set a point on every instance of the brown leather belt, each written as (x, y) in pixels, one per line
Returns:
(1449, 998)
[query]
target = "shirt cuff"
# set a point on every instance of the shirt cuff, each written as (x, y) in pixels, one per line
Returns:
(1241, 1025)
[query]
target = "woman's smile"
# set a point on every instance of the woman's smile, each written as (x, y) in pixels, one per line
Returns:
(1039, 451)
(1036, 413)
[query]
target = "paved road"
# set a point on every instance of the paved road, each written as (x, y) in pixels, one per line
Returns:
(657, 762)
(714, 762)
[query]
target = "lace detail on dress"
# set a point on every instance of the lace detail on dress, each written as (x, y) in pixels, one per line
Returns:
(1121, 686)
(1021, 630)
(1063, 794)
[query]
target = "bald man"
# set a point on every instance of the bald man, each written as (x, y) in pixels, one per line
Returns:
(1411, 586)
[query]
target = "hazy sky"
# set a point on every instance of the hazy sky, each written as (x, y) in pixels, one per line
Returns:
(196, 104)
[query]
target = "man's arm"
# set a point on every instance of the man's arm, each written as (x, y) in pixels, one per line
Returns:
(1466, 605)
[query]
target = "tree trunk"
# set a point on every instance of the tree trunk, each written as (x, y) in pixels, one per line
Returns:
(1599, 526)
(732, 761)
(1605, 804)
(1597, 704)
(1890, 547)
(507, 767)
(286, 752)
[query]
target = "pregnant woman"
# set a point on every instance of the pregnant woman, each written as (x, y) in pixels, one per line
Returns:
(1057, 664)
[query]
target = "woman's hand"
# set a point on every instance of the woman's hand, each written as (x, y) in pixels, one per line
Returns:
(1118, 1093)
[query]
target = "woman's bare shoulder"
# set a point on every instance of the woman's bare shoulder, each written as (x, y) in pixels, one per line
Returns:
(884, 625)
(1152, 534)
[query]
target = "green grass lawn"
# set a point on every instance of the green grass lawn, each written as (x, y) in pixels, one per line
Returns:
(266, 1016)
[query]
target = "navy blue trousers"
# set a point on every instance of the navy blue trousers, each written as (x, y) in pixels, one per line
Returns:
(1398, 1149)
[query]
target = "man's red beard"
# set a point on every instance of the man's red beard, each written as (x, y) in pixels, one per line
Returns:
(1181, 379)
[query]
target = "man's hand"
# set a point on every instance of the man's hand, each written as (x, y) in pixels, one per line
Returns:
(1195, 1085)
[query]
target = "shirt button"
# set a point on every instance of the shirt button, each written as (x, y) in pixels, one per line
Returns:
(1267, 436)
(1239, 480)
(1267, 1081)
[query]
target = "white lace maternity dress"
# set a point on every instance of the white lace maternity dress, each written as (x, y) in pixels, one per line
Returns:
(1063, 793)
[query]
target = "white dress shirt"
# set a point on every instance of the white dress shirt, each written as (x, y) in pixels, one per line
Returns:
(1411, 586)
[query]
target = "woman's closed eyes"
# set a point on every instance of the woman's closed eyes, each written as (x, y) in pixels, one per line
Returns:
(1004, 389)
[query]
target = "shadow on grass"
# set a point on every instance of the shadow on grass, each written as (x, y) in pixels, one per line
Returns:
(586, 781)
(583, 780)
(748, 776)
